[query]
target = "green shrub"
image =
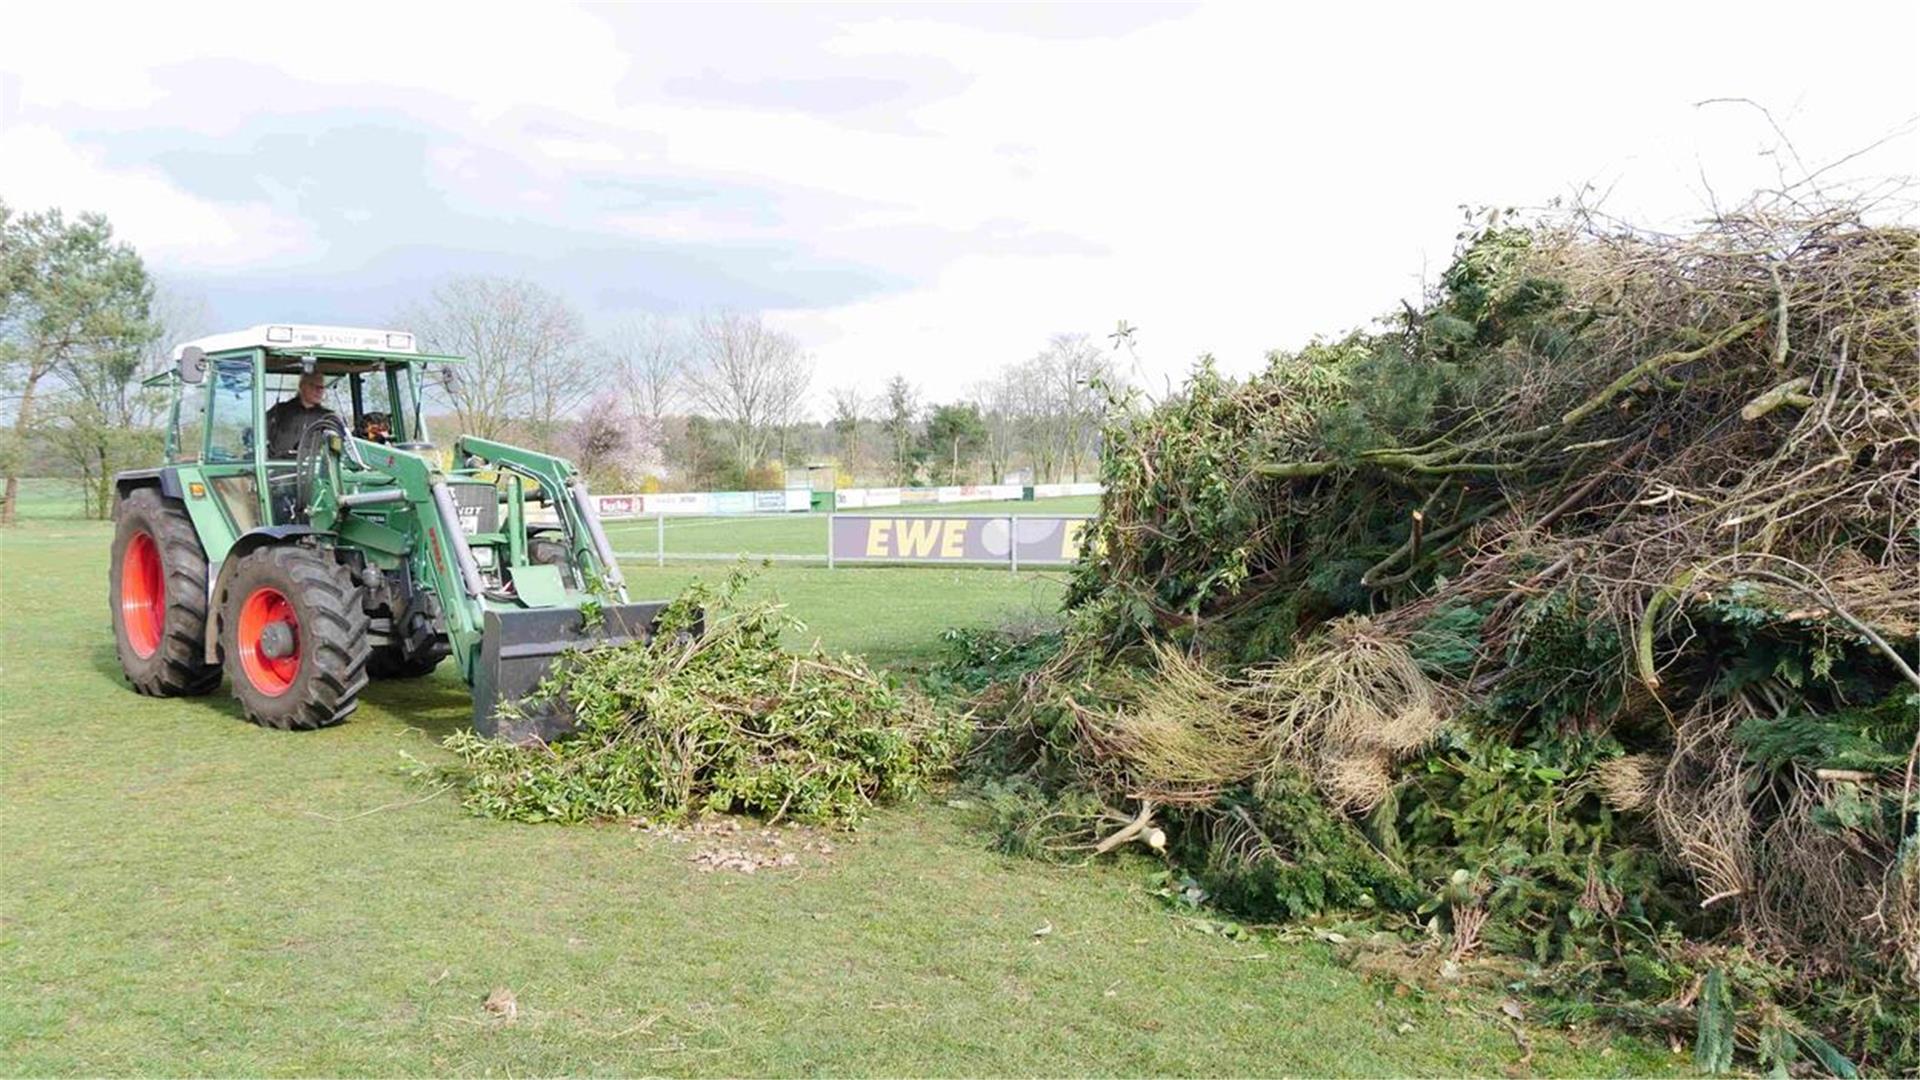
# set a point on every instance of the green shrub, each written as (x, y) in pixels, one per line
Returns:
(1276, 852)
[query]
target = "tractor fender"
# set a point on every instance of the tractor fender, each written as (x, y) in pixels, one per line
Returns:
(166, 478)
(248, 542)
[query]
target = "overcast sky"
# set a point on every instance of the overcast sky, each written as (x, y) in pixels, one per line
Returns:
(926, 189)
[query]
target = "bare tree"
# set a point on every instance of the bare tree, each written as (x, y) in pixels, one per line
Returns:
(848, 406)
(751, 377)
(649, 356)
(902, 405)
(104, 419)
(1004, 409)
(525, 349)
(181, 314)
(1064, 386)
(615, 446)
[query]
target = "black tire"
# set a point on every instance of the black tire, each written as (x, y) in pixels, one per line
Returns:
(160, 615)
(328, 669)
(388, 662)
(552, 552)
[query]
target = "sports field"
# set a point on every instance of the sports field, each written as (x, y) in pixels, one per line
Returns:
(789, 537)
(181, 892)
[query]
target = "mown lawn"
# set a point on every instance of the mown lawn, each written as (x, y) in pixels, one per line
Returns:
(181, 892)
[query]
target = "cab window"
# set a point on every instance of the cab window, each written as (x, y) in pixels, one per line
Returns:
(409, 425)
(375, 417)
(283, 386)
(190, 422)
(230, 435)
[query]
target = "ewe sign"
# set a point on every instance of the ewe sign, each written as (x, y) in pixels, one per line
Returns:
(1015, 540)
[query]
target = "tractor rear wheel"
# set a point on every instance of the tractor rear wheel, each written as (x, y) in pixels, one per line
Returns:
(294, 637)
(157, 590)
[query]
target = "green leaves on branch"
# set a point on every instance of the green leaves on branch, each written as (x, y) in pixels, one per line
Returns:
(726, 722)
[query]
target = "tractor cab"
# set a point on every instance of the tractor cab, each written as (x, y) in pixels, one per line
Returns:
(237, 409)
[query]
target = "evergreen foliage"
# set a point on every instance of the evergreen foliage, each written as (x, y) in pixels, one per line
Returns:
(1644, 510)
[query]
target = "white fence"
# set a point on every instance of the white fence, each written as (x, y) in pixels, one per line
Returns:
(862, 498)
(797, 500)
(1055, 491)
(703, 503)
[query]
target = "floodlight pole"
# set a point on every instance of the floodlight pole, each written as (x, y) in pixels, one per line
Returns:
(1013, 543)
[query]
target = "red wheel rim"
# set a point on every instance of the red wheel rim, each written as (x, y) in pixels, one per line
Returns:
(143, 594)
(271, 675)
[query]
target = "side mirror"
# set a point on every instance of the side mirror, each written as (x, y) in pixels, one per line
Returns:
(192, 365)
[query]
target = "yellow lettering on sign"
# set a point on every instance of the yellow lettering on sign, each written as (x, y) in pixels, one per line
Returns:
(1070, 538)
(877, 533)
(953, 540)
(917, 537)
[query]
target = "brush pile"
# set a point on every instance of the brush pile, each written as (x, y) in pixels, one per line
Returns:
(1574, 613)
(727, 721)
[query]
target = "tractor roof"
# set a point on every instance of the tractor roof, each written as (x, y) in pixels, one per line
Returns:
(294, 340)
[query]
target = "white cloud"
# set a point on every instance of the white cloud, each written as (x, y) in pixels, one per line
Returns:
(491, 58)
(581, 150)
(39, 168)
(1250, 174)
(1264, 173)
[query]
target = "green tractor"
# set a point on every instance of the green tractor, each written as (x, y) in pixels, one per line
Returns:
(305, 554)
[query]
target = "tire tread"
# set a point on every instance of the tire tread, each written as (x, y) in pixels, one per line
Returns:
(182, 670)
(333, 631)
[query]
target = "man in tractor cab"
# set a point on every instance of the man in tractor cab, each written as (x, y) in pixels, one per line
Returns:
(289, 420)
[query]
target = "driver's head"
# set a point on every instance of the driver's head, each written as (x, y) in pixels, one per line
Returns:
(313, 387)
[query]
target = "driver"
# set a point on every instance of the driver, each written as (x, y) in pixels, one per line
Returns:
(287, 421)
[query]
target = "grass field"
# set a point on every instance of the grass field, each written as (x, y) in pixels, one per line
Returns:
(181, 892)
(790, 536)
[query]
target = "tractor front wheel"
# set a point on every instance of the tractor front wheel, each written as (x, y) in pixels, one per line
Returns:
(157, 590)
(294, 638)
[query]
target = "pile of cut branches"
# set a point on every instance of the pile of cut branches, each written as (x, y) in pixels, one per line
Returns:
(1584, 596)
(726, 721)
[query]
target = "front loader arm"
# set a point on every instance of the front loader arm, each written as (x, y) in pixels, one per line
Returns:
(506, 638)
(438, 553)
(587, 544)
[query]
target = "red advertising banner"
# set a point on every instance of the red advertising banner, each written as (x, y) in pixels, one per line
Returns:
(617, 506)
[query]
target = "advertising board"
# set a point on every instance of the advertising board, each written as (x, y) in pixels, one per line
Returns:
(1021, 541)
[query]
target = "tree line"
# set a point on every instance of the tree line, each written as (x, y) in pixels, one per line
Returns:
(719, 401)
(716, 401)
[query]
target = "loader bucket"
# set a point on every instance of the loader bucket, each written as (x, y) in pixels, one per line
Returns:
(518, 649)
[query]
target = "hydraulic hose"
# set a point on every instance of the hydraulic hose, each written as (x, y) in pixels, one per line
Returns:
(308, 457)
